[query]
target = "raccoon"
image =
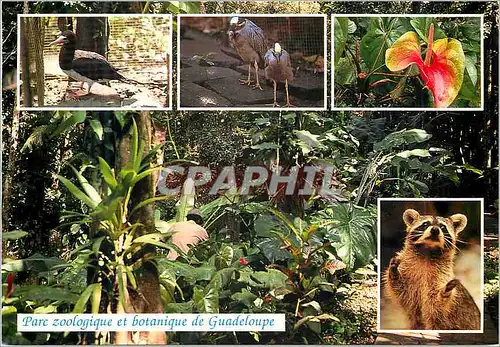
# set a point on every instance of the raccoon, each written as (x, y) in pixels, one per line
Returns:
(420, 278)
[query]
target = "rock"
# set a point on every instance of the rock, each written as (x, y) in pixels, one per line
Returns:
(240, 94)
(308, 85)
(193, 95)
(142, 100)
(305, 84)
(206, 47)
(200, 74)
(103, 91)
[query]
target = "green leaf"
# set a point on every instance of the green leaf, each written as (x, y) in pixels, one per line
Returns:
(77, 192)
(144, 174)
(470, 67)
(266, 145)
(245, 297)
(401, 138)
(186, 202)
(13, 235)
(87, 187)
(96, 126)
(345, 71)
(340, 32)
(149, 201)
(36, 263)
(191, 274)
(84, 298)
(271, 279)
(356, 228)
(308, 142)
(107, 173)
(226, 256)
(382, 33)
(414, 153)
(45, 294)
(422, 25)
(69, 120)
(146, 160)
(272, 249)
(179, 307)
(206, 301)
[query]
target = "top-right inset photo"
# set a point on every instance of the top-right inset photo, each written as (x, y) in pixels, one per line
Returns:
(407, 62)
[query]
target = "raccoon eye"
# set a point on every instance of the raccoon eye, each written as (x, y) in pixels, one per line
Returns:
(443, 228)
(424, 225)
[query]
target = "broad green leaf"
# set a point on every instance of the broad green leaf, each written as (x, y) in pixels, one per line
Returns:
(414, 152)
(422, 25)
(36, 263)
(401, 138)
(266, 145)
(14, 235)
(470, 67)
(45, 309)
(272, 249)
(221, 279)
(226, 256)
(340, 33)
(206, 301)
(356, 228)
(179, 307)
(308, 141)
(45, 294)
(191, 274)
(345, 71)
(382, 33)
(245, 297)
(270, 279)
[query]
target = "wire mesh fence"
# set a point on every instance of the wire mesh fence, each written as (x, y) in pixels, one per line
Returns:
(205, 40)
(136, 46)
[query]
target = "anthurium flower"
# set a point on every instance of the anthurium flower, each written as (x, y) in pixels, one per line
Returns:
(442, 70)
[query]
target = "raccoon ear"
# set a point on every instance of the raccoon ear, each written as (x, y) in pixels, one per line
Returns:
(410, 216)
(459, 222)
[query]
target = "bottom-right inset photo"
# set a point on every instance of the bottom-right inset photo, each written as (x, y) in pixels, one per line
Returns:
(430, 265)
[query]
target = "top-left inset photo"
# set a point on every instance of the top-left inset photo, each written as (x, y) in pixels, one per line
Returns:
(96, 62)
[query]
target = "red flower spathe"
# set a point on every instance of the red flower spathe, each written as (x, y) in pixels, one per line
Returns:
(443, 68)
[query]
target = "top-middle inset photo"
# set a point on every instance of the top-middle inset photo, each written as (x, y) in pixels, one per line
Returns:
(251, 62)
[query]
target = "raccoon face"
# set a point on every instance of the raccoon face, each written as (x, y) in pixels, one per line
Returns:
(433, 236)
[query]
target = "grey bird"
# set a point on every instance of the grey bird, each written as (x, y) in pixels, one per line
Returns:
(249, 41)
(279, 69)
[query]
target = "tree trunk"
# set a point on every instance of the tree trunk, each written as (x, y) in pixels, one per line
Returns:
(92, 34)
(25, 65)
(147, 298)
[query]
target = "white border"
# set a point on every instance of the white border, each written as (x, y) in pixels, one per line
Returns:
(379, 261)
(83, 108)
(408, 15)
(250, 108)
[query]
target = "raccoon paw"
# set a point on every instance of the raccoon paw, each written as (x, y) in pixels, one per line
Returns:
(449, 287)
(393, 268)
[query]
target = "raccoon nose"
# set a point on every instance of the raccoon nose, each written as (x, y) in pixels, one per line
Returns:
(435, 231)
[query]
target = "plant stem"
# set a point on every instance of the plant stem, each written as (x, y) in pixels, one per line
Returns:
(171, 138)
